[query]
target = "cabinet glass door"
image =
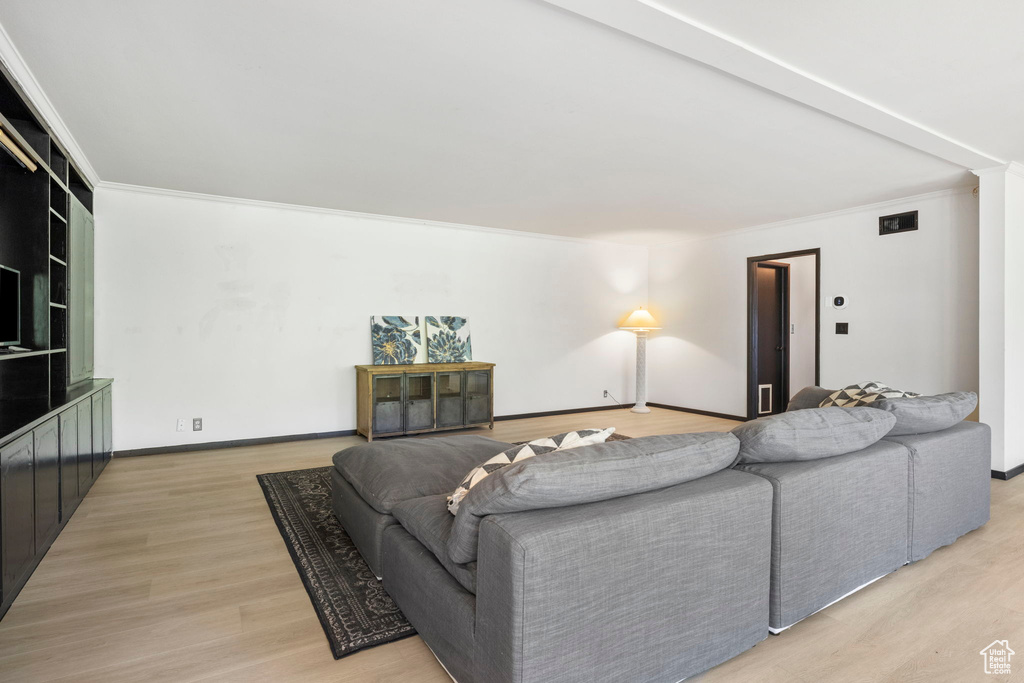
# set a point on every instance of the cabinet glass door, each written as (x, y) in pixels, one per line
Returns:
(419, 402)
(478, 397)
(450, 399)
(387, 404)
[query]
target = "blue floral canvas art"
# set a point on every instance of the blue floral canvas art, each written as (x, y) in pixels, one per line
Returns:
(448, 339)
(397, 340)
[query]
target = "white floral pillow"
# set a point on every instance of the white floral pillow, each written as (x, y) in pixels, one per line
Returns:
(520, 452)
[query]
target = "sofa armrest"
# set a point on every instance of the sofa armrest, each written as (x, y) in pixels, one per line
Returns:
(653, 586)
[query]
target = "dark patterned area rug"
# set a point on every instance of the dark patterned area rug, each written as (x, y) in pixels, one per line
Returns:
(351, 603)
(354, 610)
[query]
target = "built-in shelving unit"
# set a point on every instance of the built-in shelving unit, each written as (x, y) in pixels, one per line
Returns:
(55, 418)
(59, 205)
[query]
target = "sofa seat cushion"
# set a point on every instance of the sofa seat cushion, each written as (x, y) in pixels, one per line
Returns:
(837, 524)
(926, 414)
(950, 482)
(443, 612)
(385, 473)
(586, 475)
(811, 434)
(364, 525)
(430, 523)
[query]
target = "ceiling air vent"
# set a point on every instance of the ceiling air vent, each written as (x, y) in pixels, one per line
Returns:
(898, 222)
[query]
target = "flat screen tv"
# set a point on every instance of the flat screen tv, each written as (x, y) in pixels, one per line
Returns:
(10, 307)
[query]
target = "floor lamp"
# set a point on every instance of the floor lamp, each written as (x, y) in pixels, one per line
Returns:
(640, 322)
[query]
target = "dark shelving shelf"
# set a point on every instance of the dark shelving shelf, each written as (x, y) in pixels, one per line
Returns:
(57, 215)
(22, 354)
(54, 258)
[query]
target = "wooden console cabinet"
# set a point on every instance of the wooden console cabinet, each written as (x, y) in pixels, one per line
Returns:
(411, 399)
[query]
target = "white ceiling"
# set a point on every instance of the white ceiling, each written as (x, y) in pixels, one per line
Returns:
(956, 67)
(518, 114)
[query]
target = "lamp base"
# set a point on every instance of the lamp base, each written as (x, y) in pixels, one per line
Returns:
(640, 409)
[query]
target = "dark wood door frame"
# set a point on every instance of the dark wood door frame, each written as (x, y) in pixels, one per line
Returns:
(752, 320)
(780, 276)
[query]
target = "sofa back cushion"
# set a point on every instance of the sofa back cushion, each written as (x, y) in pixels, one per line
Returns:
(520, 452)
(386, 472)
(586, 475)
(811, 434)
(925, 414)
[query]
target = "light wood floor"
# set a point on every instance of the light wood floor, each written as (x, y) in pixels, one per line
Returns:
(173, 570)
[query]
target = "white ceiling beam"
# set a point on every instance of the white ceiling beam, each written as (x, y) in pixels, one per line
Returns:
(667, 28)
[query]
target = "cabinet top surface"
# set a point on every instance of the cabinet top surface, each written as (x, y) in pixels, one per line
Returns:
(19, 417)
(424, 367)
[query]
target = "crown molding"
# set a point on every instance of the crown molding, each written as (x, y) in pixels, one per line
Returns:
(1013, 168)
(16, 67)
(657, 24)
(259, 203)
(887, 204)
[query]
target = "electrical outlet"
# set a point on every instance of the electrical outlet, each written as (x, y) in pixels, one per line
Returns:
(197, 424)
(181, 424)
(606, 393)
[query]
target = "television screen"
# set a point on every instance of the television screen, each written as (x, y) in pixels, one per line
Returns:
(10, 307)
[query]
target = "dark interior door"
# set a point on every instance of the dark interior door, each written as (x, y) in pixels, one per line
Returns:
(772, 338)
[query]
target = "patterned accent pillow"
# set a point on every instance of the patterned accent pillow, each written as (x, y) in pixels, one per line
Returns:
(520, 452)
(863, 394)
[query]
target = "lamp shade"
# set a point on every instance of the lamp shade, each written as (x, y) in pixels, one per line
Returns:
(640, 319)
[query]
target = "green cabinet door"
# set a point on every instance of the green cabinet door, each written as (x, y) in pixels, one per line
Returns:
(98, 456)
(47, 481)
(108, 423)
(68, 461)
(80, 293)
(84, 447)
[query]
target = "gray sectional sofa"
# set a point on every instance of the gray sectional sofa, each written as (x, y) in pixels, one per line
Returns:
(654, 559)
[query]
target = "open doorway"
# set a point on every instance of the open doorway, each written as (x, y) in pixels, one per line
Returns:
(784, 331)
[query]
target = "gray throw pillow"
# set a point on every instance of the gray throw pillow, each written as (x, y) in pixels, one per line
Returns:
(586, 475)
(924, 414)
(811, 434)
(808, 397)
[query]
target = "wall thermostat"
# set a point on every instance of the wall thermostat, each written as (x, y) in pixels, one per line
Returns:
(839, 302)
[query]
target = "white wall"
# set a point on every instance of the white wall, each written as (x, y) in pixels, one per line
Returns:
(252, 315)
(913, 309)
(802, 309)
(1001, 322)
